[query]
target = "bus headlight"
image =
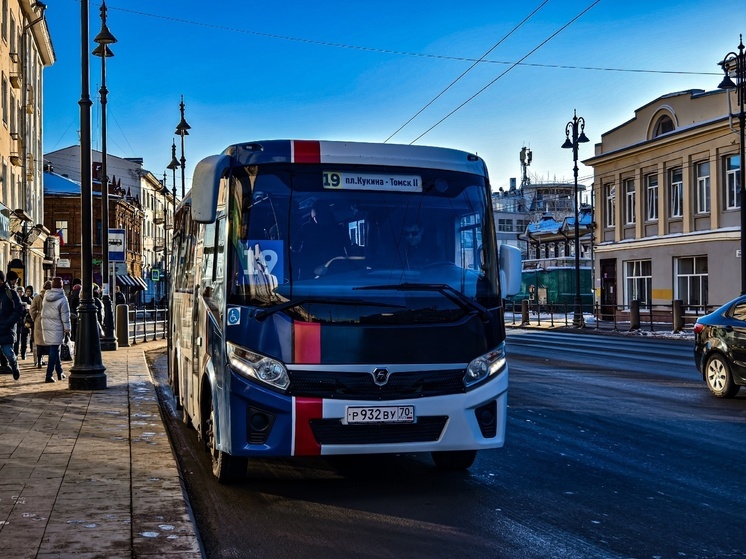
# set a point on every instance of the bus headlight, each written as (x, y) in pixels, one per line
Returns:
(258, 367)
(485, 366)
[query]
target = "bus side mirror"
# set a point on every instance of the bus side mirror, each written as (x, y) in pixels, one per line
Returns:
(509, 258)
(206, 185)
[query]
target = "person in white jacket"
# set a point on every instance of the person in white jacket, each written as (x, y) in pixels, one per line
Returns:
(55, 325)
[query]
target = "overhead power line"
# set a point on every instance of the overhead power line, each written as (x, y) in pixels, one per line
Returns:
(467, 70)
(529, 53)
(363, 48)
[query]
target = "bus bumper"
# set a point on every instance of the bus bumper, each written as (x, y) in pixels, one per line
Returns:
(266, 423)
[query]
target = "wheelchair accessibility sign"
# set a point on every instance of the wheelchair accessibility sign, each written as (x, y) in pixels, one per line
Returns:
(234, 316)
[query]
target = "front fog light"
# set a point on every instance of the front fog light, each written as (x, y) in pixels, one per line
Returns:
(258, 367)
(485, 366)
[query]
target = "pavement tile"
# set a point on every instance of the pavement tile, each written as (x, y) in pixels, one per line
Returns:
(90, 474)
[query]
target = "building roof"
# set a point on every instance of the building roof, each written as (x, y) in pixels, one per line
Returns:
(548, 229)
(55, 184)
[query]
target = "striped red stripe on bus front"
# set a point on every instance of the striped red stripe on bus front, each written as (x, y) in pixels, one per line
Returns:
(304, 410)
(305, 151)
(306, 342)
(306, 349)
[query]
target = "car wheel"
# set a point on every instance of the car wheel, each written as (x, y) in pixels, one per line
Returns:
(226, 468)
(454, 460)
(719, 379)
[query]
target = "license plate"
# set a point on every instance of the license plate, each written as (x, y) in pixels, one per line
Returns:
(380, 414)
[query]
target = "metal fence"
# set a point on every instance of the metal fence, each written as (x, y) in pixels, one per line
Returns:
(674, 317)
(147, 324)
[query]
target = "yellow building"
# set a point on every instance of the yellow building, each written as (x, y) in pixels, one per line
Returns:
(25, 50)
(667, 206)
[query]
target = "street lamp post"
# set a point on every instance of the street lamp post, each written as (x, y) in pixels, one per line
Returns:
(577, 124)
(182, 129)
(173, 166)
(164, 190)
(104, 39)
(734, 64)
(87, 372)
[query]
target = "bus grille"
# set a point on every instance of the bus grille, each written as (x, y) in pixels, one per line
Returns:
(360, 386)
(332, 431)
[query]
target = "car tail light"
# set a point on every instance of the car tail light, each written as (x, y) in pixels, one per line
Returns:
(698, 327)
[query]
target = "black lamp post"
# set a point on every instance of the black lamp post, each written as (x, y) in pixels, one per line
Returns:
(577, 124)
(182, 129)
(104, 39)
(173, 166)
(164, 191)
(734, 64)
(87, 372)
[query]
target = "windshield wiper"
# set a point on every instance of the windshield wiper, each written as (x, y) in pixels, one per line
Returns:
(446, 290)
(260, 314)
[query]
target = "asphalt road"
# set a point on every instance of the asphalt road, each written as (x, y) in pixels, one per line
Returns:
(615, 448)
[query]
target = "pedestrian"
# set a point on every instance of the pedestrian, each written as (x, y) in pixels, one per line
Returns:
(119, 297)
(55, 323)
(99, 308)
(73, 299)
(39, 343)
(11, 311)
(19, 326)
(27, 329)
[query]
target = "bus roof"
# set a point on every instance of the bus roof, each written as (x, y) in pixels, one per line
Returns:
(355, 153)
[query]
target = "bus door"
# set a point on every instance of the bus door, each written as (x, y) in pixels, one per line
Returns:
(210, 307)
(198, 317)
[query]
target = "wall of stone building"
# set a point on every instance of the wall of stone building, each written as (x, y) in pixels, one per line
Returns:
(631, 152)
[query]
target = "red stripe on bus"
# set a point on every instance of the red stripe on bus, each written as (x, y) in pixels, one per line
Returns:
(307, 343)
(305, 151)
(305, 410)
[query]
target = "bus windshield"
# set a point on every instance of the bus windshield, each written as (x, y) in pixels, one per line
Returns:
(342, 243)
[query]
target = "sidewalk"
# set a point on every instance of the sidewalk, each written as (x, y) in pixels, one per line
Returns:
(90, 474)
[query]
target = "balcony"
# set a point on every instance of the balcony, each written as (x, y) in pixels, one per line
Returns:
(159, 217)
(16, 79)
(160, 244)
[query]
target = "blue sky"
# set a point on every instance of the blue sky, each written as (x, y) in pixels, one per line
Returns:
(360, 70)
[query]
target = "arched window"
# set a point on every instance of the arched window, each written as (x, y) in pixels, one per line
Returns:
(663, 124)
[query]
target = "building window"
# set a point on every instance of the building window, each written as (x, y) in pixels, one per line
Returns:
(651, 182)
(629, 201)
(505, 225)
(12, 35)
(5, 20)
(610, 196)
(5, 100)
(732, 182)
(691, 280)
(702, 193)
(13, 113)
(639, 281)
(663, 125)
(675, 193)
(60, 229)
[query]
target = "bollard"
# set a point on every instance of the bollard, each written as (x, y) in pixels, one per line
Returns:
(524, 312)
(634, 314)
(678, 315)
(123, 325)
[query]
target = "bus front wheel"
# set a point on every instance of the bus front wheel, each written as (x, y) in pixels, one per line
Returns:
(454, 459)
(226, 468)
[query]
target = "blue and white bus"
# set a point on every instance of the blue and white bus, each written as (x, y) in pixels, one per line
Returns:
(340, 298)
